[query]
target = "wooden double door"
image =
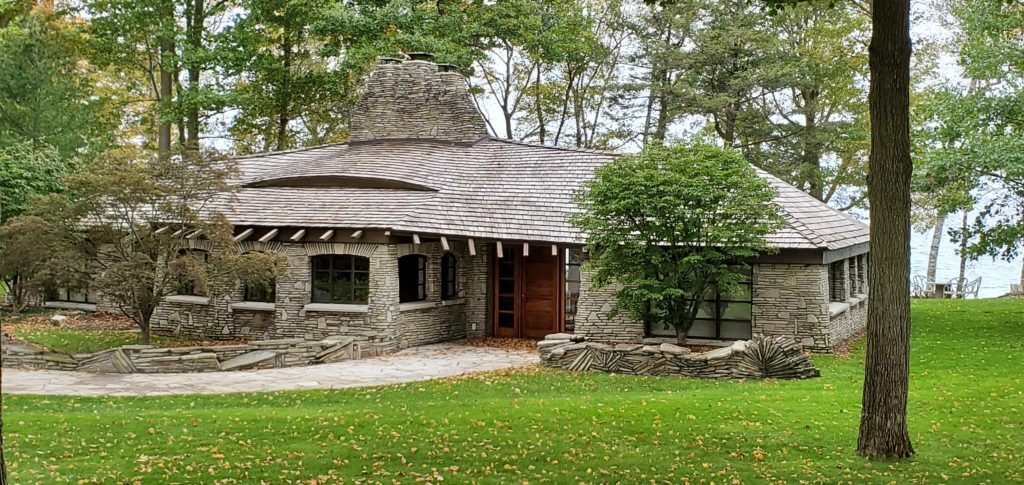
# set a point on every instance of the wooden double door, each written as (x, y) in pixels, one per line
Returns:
(527, 294)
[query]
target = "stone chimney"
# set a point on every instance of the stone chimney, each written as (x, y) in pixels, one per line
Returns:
(416, 99)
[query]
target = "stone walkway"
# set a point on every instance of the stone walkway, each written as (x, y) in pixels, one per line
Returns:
(415, 364)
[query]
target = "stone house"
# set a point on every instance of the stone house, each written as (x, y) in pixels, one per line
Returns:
(422, 228)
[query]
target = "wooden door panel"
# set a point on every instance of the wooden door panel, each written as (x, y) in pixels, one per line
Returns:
(539, 316)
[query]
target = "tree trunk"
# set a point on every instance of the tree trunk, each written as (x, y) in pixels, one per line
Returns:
(883, 425)
(195, 35)
(286, 88)
(166, 80)
(933, 251)
(541, 129)
(811, 157)
(680, 335)
(963, 257)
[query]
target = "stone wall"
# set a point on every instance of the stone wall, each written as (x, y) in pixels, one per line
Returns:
(592, 321)
(758, 358)
(413, 99)
(146, 359)
(383, 324)
(791, 300)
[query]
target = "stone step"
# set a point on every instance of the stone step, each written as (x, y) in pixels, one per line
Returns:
(248, 360)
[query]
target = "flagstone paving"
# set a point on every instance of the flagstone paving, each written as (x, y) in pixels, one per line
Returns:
(410, 365)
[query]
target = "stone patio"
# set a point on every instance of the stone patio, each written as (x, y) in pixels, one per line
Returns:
(410, 365)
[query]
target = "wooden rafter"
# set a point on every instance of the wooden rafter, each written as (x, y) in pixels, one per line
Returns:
(268, 236)
(298, 235)
(242, 236)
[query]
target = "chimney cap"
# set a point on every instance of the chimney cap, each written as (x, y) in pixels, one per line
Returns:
(388, 60)
(444, 67)
(420, 56)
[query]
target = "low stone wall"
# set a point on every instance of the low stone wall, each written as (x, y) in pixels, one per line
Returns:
(758, 358)
(147, 359)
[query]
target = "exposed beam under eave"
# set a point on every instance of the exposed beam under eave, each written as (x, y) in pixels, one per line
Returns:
(444, 244)
(501, 252)
(356, 235)
(472, 247)
(554, 250)
(526, 249)
(298, 235)
(327, 235)
(242, 236)
(268, 236)
(194, 234)
(179, 232)
(162, 230)
(415, 239)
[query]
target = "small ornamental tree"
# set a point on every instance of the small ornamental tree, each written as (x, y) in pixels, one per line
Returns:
(139, 217)
(669, 224)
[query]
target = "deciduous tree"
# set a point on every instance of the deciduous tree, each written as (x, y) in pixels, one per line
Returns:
(669, 224)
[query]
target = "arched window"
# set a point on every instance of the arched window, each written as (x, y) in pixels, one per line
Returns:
(412, 278)
(186, 279)
(449, 276)
(341, 278)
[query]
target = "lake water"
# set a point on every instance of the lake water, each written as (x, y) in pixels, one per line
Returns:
(996, 276)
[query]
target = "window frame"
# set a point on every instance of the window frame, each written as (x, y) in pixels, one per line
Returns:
(449, 276)
(332, 278)
(421, 279)
(720, 301)
(573, 259)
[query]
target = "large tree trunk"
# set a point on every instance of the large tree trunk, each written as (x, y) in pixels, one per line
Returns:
(883, 425)
(933, 251)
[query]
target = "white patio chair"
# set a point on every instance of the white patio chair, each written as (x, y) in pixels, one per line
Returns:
(973, 288)
(919, 287)
(956, 288)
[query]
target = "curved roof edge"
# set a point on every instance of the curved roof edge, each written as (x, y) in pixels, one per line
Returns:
(350, 181)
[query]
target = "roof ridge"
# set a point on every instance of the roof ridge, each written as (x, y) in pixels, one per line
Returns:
(566, 149)
(291, 150)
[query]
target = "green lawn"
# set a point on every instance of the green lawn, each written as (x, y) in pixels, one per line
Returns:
(966, 419)
(73, 340)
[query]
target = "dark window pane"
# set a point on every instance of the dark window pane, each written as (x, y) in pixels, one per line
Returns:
(736, 330)
(507, 303)
(361, 263)
(658, 329)
(702, 328)
(736, 311)
(361, 278)
(322, 287)
(343, 263)
(740, 294)
(506, 320)
(361, 295)
(506, 286)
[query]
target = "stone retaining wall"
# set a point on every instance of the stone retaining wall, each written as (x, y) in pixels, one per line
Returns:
(147, 359)
(758, 358)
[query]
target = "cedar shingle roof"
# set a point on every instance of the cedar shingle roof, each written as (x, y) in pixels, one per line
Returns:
(492, 189)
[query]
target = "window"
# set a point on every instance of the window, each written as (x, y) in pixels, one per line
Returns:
(186, 279)
(572, 287)
(449, 277)
(260, 293)
(724, 316)
(72, 295)
(412, 278)
(837, 281)
(341, 278)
